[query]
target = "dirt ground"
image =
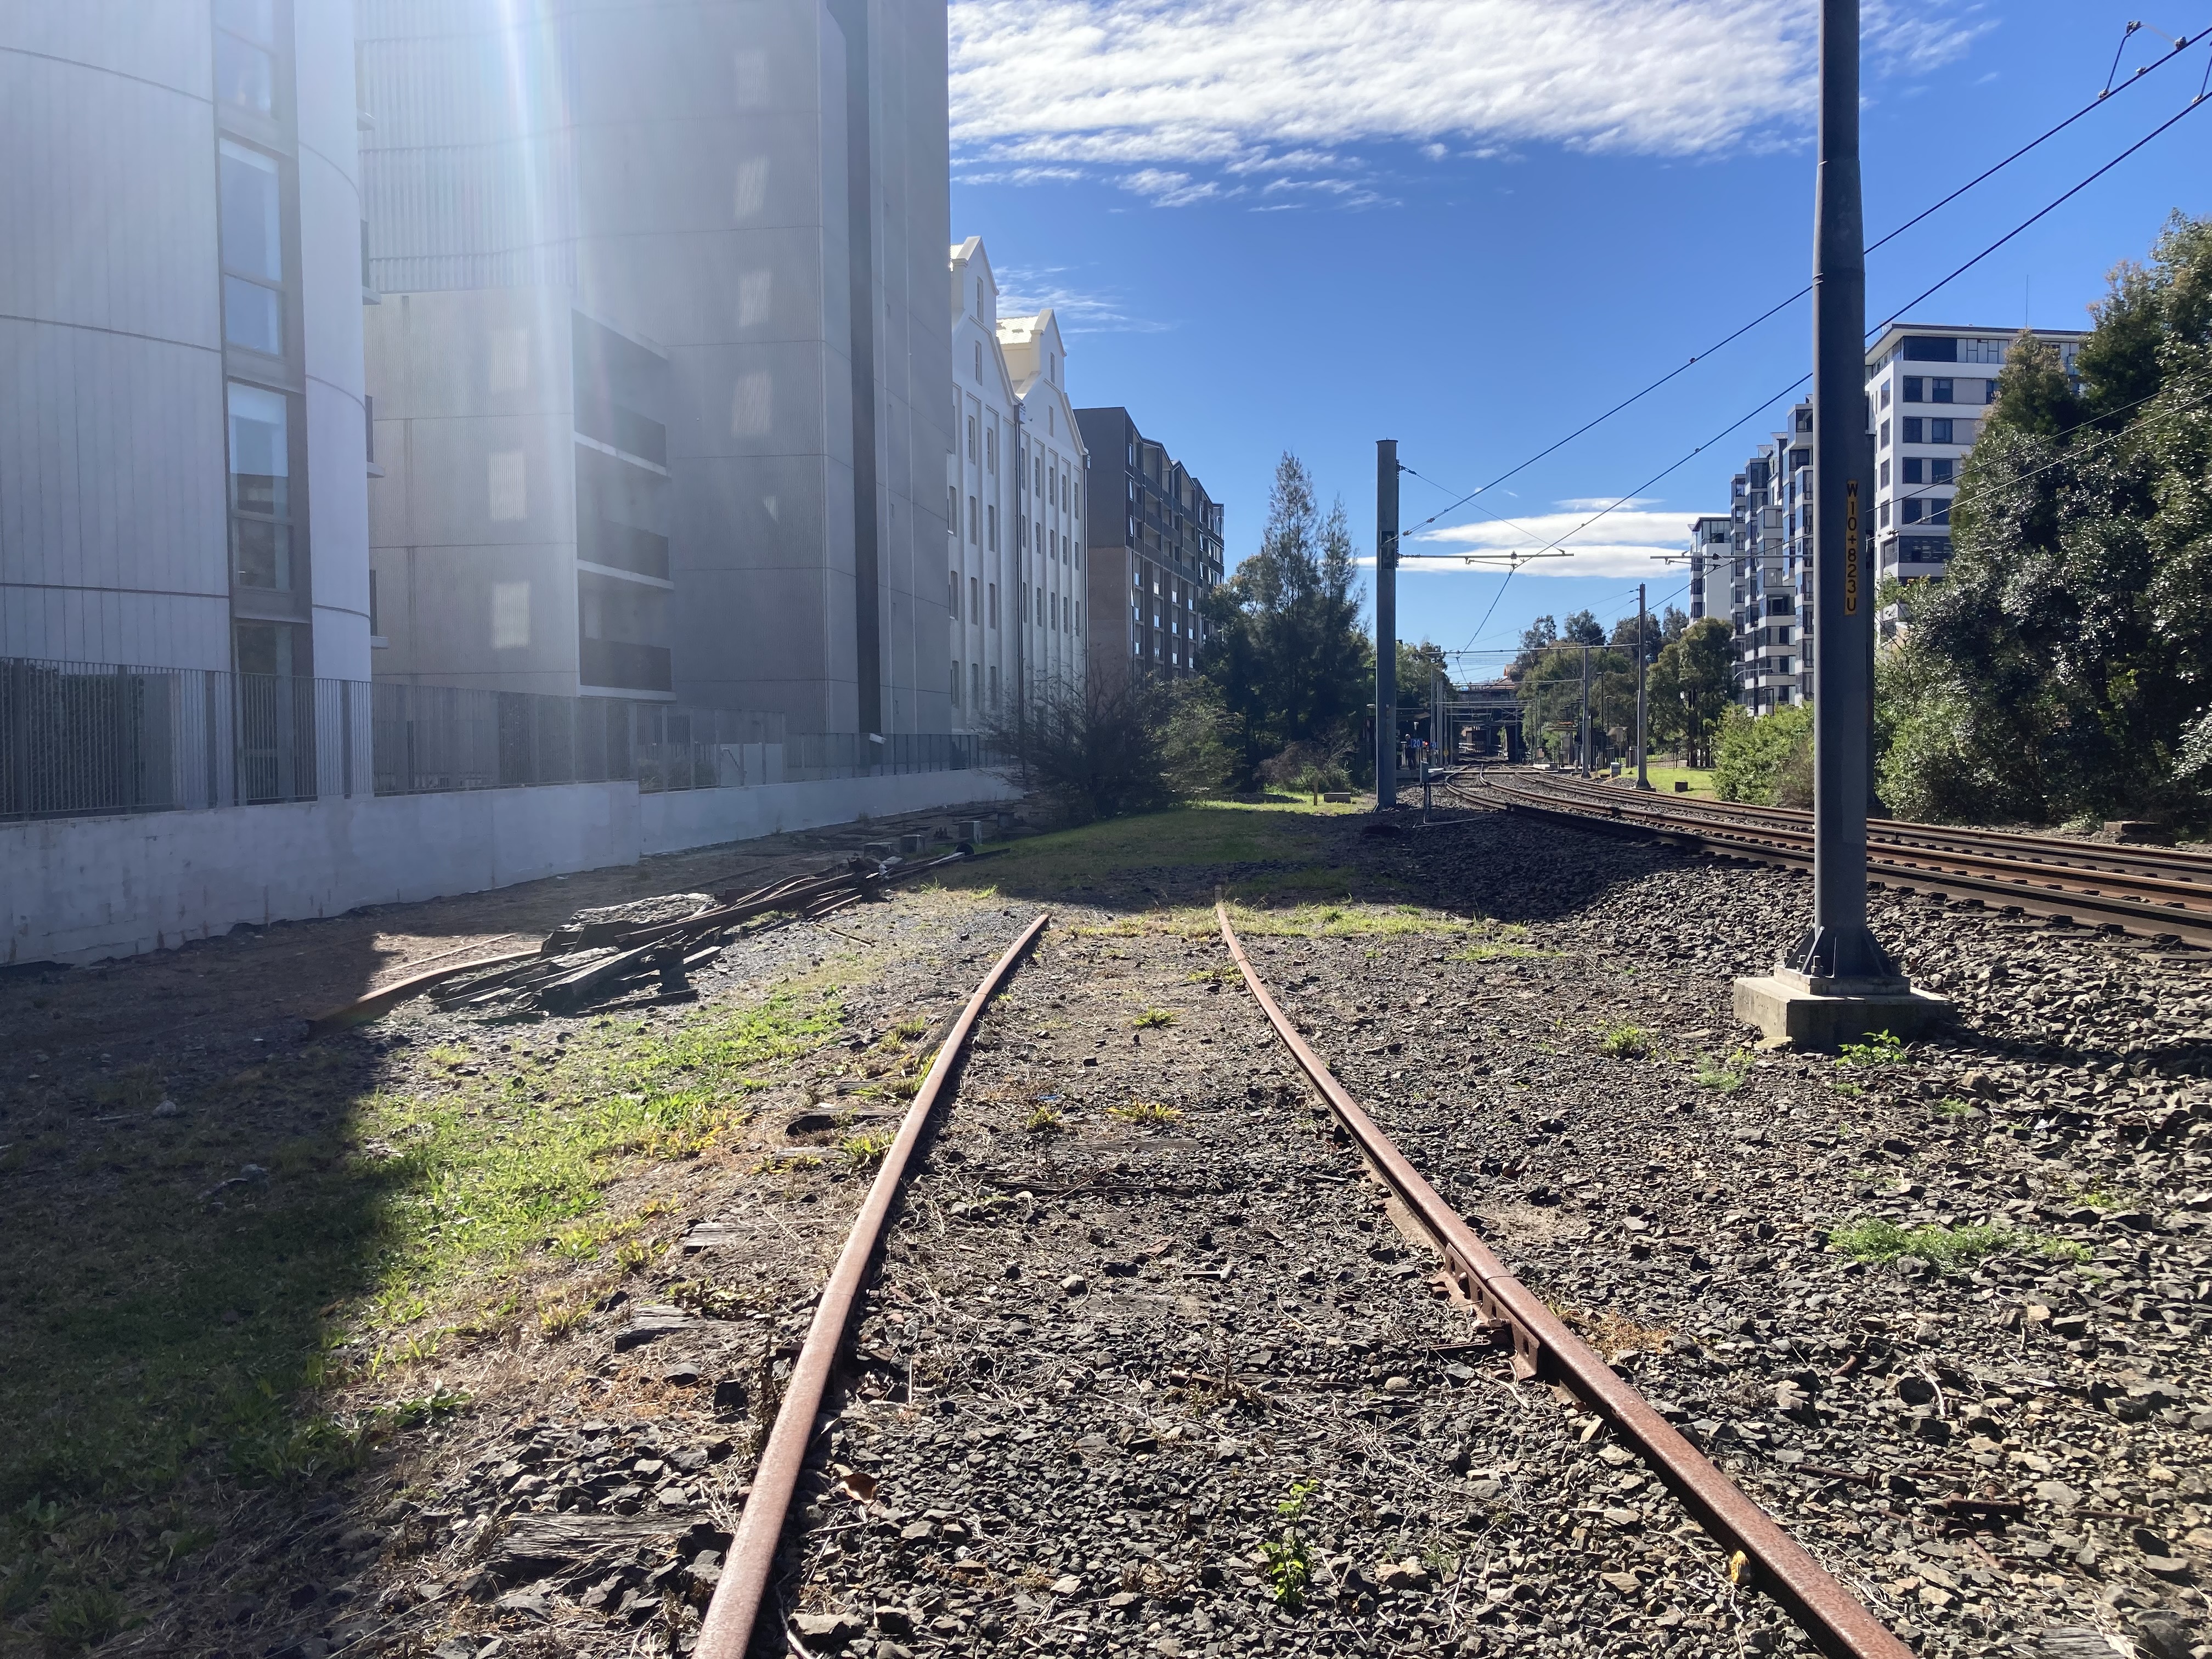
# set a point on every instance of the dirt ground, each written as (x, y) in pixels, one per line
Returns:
(456, 1335)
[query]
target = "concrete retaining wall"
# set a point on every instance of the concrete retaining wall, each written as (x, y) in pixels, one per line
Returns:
(80, 890)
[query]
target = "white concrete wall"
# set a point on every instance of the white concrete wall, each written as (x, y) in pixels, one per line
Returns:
(81, 889)
(681, 818)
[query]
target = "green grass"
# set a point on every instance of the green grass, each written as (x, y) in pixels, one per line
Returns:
(1874, 1240)
(1148, 1113)
(1624, 1042)
(1153, 1019)
(1346, 920)
(1724, 1076)
(1664, 778)
(1203, 835)
(162, 1345)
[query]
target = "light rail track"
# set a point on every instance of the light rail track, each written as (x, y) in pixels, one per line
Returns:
(2154, 893)
(1512, 1319)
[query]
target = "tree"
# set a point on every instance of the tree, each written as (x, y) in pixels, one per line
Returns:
(2063, 665)
(1583, 628)
(1691, 687)
(1095, 750)
(1284, 651)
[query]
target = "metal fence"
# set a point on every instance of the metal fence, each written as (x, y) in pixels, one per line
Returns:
(82, 739)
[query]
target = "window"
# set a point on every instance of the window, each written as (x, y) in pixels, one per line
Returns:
(1988, 391)
(979, 361)
(245, 55)
(1800, 459)
(1881, 481)
(952, 510)
(252, 222)
(992, 513)
(956, 685)
(1911, 425)
(1939, 510)
(1913, 388)
(1939, 392)
(1052, 610)
(1881, 514)
(1940, 469)
(973, 519)
(261, 506)
(1885, 394)
(994, 608)
(952, 596)
(974, 599)
(1916, 470)
(1931, 348)
(1909, 509)
(1939, 429)
(269, 648)
(994, 685)
(991, 447)
(1885, 434)
(1804, 420)
(975, 684)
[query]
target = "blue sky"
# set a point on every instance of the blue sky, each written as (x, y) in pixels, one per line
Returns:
(1471, 225)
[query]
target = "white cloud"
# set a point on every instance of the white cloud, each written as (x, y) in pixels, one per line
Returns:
(1621, 543)
(1160, 93)
(1593, 503)
(1025, 291)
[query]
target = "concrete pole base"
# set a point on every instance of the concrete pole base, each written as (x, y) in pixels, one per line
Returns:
(1791, 1010)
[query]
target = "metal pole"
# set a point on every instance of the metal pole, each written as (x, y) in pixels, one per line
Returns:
(1386, 623)
(1838, 945)
(1583, 737)
(1642, 764)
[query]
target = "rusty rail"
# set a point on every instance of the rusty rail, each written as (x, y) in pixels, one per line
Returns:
(727, 1630)
(1543, 1346)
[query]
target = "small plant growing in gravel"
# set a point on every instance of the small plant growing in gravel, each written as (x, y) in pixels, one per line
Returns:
(1149, 1112)
(556, 1318)
(1872, 1239)
(865, 1151)
(1724, 1076)
(1880, 1049)
(1624, 1042)
(1952, 1106)
(908, 1030)
(1289, 1564)
(2065, 1249)
(1153, 1019)
(633, 1257)
(1045, 1120)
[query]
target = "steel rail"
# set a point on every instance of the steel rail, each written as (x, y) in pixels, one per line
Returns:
(2153, 863)
(1837, 1621)
(726, 1632)
(385, 998)
(2152, 908)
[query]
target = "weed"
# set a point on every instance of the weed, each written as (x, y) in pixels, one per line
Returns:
(1848, 1088)
(1872, 1239)
(632, 1257)
(1881, 1049)
(1146, 1112)
(865, 1151)
(1624, 1042)
(441, 1401)
(1952, 1106)
(83, 1617)
(2096, 1196)
(2064, 1249)
(1290, 1566)
(909, 1031)
(1724, 1076)
(1153, 1019)
(1045, 1120)
(556, 1318)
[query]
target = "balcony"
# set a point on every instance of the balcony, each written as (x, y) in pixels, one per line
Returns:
(619, 665)
(623, 547)
(623, 429)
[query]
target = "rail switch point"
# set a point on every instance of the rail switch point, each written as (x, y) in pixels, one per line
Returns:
(1790, 1013)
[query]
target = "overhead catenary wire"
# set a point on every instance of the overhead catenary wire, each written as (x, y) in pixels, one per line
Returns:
(1958, 272)
(2186, 43)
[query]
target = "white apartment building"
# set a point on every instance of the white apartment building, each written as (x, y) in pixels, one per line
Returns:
(1928, 386)
(1013, 494)
(182, 431)
(1049, 488)
(1770, 569)
(1712, 540)
(685, 440)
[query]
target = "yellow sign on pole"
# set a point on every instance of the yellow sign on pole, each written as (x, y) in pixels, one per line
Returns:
(1851, 547)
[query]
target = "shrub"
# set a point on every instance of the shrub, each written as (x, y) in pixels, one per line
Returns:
(1761, 759)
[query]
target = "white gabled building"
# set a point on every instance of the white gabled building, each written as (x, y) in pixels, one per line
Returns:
(980, 495)
(1014, 486)
(1048, 495)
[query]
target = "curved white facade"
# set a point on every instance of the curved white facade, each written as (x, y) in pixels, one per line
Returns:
(116, 536)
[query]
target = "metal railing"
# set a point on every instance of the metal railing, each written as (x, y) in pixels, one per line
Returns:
(78, 740)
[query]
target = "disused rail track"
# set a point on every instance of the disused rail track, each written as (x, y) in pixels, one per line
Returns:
(1511, 1317)
(2153, 893)
(1543, 1348)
